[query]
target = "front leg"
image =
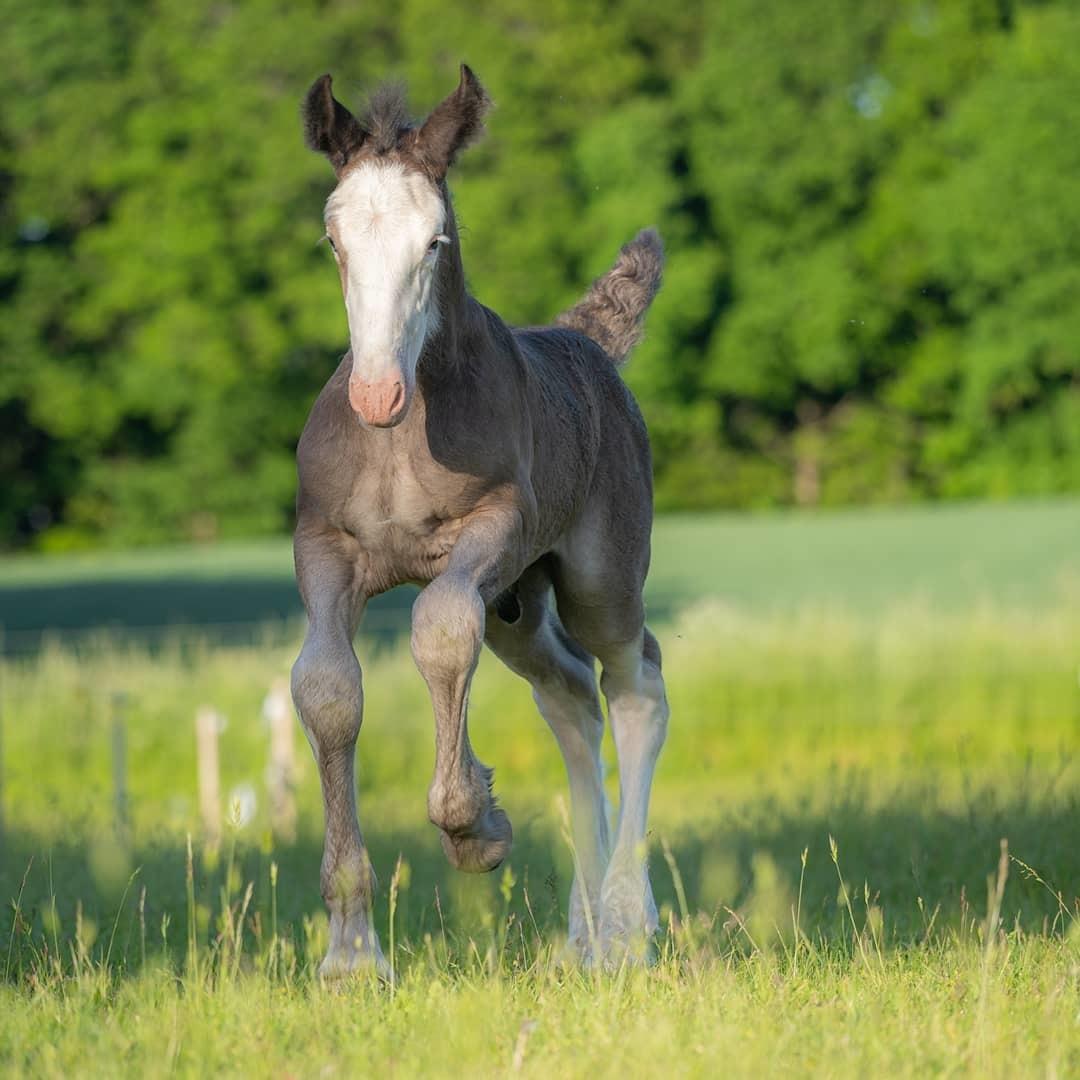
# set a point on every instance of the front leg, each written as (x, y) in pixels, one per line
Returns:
(327, 690)
(447, 633)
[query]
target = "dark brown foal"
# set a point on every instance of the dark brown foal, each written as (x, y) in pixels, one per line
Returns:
(497, 468)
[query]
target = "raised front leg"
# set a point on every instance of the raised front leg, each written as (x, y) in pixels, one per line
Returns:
(447, 633)
(327, 690)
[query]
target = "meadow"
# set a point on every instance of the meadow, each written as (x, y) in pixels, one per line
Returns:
(863, 833)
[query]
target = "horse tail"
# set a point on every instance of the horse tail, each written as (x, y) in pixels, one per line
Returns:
(613, 310)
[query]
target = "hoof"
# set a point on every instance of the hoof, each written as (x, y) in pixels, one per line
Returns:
(354, 949)
(619, 946)
(612, 944)
(342, 963)
(628, 919)
(483, 847)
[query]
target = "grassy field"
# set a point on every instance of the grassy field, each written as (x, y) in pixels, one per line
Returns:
(855, 730)
(945, 557)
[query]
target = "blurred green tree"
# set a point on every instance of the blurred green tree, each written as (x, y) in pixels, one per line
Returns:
(869, 212)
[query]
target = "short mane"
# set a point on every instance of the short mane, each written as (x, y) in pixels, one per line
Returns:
(386, 118)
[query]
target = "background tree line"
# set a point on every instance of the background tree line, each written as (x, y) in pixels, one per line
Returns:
(872, 213)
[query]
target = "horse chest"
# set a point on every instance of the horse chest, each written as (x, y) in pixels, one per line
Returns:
(404, 529)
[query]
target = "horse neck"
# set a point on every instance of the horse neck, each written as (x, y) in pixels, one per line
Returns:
(448, 347)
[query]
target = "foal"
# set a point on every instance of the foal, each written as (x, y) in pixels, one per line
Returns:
(493, 466)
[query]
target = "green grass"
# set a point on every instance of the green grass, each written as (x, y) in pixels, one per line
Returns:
(826, 838)
(916, 740)
(954, 1008)
(949, 557)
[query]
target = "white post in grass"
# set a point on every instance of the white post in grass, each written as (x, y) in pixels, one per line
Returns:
(119, 763)
(281, 770)
(207, 726)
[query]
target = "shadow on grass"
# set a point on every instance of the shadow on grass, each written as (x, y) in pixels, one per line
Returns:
(149, 611)
(891, 855)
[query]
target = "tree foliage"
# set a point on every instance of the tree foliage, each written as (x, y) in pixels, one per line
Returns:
(873, 289)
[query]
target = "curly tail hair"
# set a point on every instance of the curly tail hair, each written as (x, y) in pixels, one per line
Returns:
(612, 311)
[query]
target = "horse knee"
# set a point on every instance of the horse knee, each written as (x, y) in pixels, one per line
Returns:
(447, 628)
(637, 701)
(567, 698)
(328, 693)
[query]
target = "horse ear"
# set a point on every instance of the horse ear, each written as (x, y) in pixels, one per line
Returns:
(329, 127)
(455, 123)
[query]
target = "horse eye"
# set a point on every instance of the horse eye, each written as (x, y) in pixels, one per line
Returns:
(434, 245)
(330, 241)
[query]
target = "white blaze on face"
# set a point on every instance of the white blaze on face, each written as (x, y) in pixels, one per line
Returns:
(387, 226)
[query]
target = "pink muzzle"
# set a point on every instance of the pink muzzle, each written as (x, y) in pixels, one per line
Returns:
(380, 404)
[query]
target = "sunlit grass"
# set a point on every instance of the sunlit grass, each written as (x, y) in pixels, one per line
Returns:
(826, 852)
(981, 999)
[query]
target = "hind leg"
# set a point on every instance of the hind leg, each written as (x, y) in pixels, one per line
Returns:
(638, 709)
(601, 607)
(535, 646)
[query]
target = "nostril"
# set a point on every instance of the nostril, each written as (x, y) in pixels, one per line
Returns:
(377, 403)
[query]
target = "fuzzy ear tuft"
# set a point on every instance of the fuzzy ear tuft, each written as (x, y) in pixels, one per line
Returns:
(329, 127)
(452, 125)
